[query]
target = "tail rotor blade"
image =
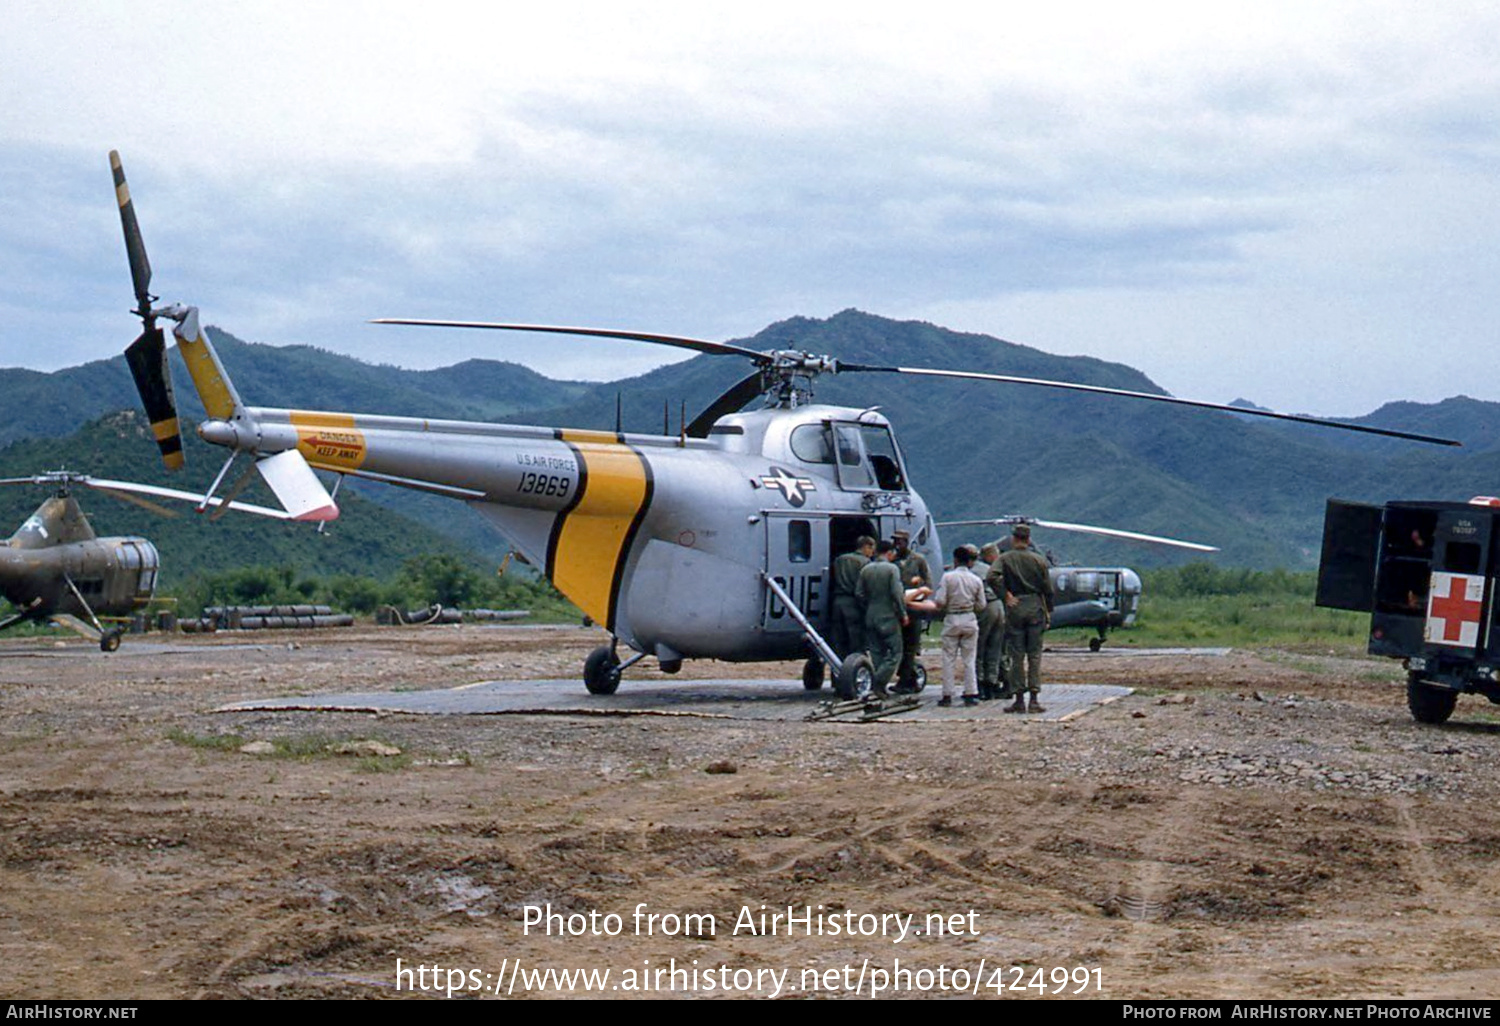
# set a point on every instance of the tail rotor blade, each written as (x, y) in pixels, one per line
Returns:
(147, 357)
(135, 248)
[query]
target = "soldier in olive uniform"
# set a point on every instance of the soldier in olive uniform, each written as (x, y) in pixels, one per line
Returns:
(879, 590)
(1027, 588)
(848, 633)
(992, 677)
(915, 573)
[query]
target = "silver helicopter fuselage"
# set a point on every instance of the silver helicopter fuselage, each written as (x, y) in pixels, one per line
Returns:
(663, 540)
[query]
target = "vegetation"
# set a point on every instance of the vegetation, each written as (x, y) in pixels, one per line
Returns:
(1201, 604)
(421, 581)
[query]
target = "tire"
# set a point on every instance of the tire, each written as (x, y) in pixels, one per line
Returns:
(1429, 704)
(921, 677)
(856, 679)
(601, 671)
(110, 642)
(1095, 644)
(812, 674)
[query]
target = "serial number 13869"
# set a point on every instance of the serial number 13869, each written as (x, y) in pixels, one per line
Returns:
(543, 484)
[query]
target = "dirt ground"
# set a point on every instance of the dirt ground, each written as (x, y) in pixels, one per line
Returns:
(1260, 824)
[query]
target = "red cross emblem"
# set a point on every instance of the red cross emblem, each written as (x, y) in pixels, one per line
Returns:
(1453, 607)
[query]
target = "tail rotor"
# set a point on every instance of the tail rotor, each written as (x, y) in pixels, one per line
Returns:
(147, 355)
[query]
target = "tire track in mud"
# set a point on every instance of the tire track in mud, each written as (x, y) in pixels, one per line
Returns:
(1142, 902)
(1457, 886)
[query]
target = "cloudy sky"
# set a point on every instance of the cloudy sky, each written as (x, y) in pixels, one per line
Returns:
(1297, 203)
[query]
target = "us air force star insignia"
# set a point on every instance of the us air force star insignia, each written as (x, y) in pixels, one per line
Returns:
(794, 488)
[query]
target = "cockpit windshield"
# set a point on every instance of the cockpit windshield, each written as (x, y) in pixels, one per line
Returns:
(865, 455)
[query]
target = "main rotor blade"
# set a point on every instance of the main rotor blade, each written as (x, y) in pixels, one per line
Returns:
(1101, 390)
(696, 344)
(135, 248)
(1058, 525)
(732, 401)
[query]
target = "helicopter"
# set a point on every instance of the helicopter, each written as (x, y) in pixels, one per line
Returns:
(55, 569)
(714, 543)
(1102, 597)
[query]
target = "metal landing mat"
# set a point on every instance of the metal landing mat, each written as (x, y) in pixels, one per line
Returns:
(726, 699)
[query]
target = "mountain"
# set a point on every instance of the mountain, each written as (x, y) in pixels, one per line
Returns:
(1254, 487)
(42, 405)
(366, 539)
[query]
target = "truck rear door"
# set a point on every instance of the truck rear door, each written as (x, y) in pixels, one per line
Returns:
(1351, 544)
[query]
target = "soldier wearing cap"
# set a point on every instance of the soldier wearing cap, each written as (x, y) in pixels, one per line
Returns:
(848, 634)
(879, 591)
(991, 662)
(1022, 578)
(915, 573)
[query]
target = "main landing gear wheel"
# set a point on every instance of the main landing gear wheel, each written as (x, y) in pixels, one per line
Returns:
(1429, 704)
(1095, 644)
(601, 671)
(110, 641)
(812, 674)
(856, 679)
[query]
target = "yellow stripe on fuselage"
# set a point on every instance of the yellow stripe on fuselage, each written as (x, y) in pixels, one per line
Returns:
(330, 440)
(592, 541)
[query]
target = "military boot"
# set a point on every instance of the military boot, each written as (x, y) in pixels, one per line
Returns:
(986, 691)
(1018, 707)
(1034, 707)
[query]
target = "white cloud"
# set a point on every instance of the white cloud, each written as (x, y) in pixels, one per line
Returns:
(1193, 184)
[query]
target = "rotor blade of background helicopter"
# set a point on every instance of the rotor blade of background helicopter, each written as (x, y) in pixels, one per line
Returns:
(696, 344)
(1059, 525)
(732, 401)
(1101, 390)
(171, 493)
(141, 501)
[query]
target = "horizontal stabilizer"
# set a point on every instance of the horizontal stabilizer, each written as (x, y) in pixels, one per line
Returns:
(298, 488)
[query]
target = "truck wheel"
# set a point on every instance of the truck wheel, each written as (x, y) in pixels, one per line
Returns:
(856, 679)
(1429, 704)
(812, 674)
(601, 671)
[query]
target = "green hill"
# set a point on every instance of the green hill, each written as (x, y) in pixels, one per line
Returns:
(366, 539)
(1253, 487)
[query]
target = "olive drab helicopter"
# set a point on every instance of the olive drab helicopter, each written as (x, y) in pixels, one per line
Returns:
(713, 543)
(55, 569)
(1101, 597)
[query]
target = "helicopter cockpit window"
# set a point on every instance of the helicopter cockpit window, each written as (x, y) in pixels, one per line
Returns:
(867, 458)
(854, 471)
(810, 444)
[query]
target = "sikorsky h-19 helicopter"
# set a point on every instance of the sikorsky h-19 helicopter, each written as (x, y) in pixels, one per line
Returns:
(1101, 597)
(714, 543)
(54, 568)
